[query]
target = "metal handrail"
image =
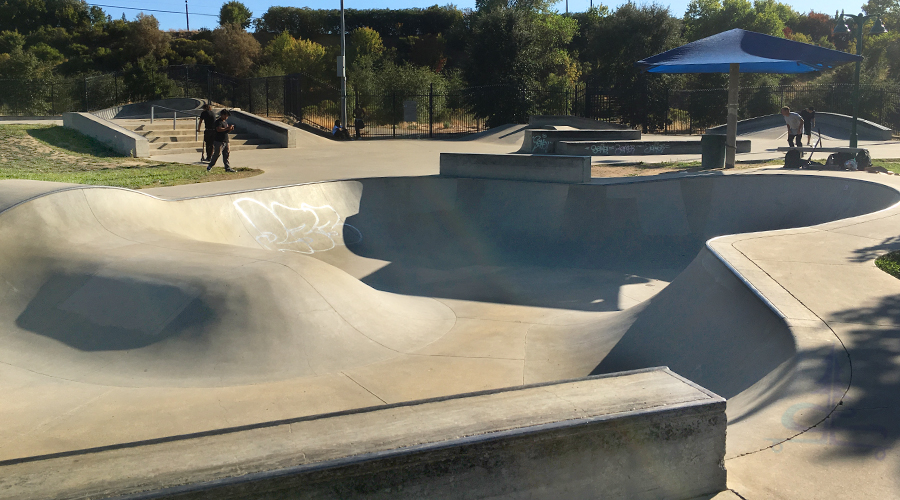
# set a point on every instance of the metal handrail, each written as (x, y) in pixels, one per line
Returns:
(175, 117)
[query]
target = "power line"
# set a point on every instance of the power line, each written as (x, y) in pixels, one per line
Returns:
(150, 10)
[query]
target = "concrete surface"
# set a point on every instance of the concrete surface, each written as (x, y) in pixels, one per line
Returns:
(538, 168)
(275, 132)
(121, 140)
(789, 319)
(543, 440)
(543, 141)
(540, 121)
(641, 148)
(831, 124)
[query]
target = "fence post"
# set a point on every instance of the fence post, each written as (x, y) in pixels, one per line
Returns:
(208, 86)
(116, 89)
(267, 97)
(567, 101)
(185, 81)
(393, 113)
(52, 101)
(85, 95)
(431, 111)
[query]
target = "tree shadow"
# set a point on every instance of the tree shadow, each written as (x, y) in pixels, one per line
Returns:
(866, 254)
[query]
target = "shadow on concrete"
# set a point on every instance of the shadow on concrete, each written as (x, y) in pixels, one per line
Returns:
(866, 424)
(94, 313)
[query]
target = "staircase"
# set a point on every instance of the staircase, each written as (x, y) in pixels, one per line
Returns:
(164, 139)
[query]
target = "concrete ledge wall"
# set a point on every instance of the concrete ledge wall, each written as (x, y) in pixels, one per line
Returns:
(121, 140)
(278, 133)
(537, 121)
(647, 434)
(544, 141)
(625, 148)
(561, 169)
(831, 124)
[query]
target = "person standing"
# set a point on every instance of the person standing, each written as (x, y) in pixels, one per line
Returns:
(221, 143)
(208, 119)
(359, 120)
(794, 125)
(809, 121)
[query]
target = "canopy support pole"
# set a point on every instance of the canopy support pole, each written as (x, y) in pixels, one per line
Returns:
(734, 82)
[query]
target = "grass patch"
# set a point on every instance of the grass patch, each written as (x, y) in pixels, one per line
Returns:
(58, 154)
(889, 263)
(892, 164)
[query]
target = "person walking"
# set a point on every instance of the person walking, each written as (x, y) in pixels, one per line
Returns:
(221, 143)
(794, 125)
(809, 121)
(208, 119)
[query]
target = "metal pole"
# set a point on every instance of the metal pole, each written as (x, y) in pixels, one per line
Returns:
(431, 111)
(734, 81)
(267, 97)
(343, 70)
(174, 117)
(860, 20)
(187, 18)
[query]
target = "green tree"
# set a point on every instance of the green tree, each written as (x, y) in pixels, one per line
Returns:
(235, 12)
(297, 56)
(518, 49)
(705, 18)
(145, 38)
(364, 42)
(236, 51)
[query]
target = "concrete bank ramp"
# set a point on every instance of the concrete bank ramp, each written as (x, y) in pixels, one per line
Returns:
(388, 278)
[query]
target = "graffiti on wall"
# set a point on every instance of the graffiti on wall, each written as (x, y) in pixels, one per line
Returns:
(306, 229)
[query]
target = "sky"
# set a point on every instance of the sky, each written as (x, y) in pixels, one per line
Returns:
(205, 13)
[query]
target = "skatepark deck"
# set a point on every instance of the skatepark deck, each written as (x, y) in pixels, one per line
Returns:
(256, 305)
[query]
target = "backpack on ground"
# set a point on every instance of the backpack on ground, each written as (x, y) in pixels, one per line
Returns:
(792, 159)
(863, 159)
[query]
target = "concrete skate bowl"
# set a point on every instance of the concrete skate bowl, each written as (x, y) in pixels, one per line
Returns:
(381, 277)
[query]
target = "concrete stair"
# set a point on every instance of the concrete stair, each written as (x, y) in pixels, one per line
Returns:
(182, 138)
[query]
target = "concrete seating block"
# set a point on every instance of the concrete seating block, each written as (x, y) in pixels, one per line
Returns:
(637, 148)
(518, 167)
(543, 141)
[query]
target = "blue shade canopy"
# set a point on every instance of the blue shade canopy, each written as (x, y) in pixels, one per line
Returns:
(755, 52)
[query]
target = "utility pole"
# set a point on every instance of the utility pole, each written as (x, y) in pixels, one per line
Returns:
(187, 18)
(342, 70)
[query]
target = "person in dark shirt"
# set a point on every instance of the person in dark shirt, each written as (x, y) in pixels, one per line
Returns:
(809, 121)
(339, 132)
(220, 144)
(208, 119)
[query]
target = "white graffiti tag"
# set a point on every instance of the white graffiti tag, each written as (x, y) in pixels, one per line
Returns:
(540, 143)
(656, 149)
(599, 149)
(307, 229)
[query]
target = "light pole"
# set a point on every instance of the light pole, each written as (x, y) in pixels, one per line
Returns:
(342, 70)
(877, 29)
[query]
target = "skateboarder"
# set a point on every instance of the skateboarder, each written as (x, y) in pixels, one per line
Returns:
(208, 119)
(220, 145)
(794, 125)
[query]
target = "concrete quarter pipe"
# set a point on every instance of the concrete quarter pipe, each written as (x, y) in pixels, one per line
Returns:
(135, 318)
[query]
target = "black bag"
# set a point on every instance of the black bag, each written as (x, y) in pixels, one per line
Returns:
(863, 159)
(792, 159)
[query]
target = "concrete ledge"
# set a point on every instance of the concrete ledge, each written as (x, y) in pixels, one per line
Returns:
(120, 139)
(538, 121)
(543, 141)
(645, 434)
(626, 148)
(275, 132)
(541, 168)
